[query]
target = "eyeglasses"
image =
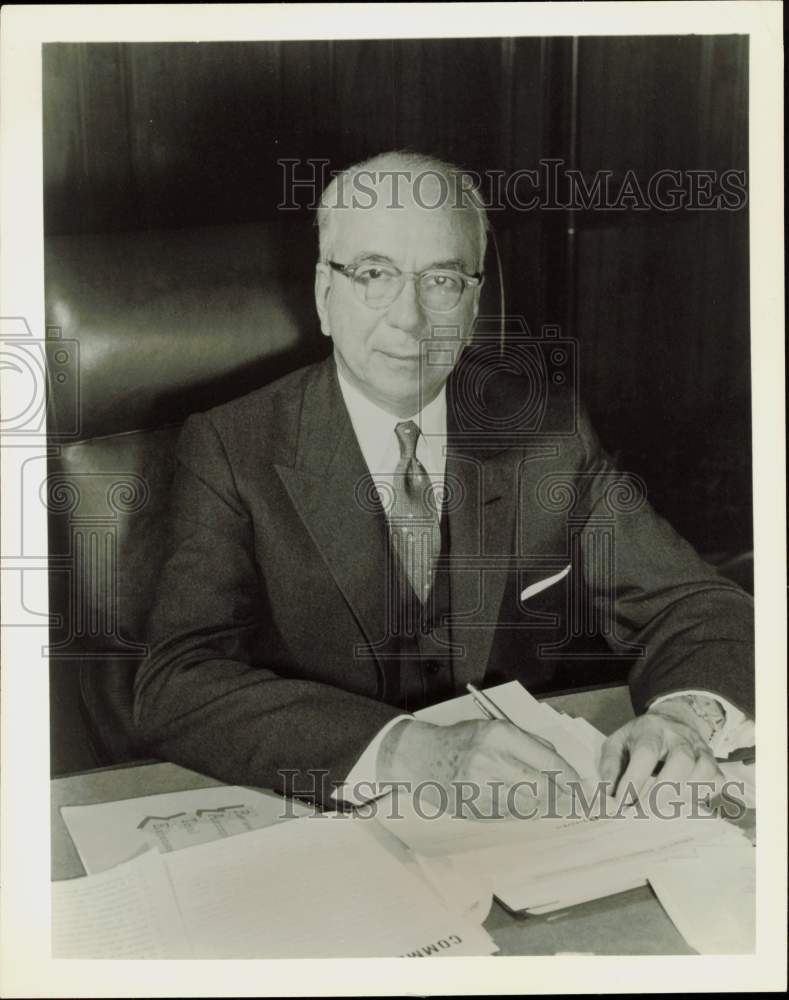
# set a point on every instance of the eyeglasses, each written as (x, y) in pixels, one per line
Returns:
(377, 284)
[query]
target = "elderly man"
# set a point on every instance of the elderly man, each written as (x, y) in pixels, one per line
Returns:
(348, 544)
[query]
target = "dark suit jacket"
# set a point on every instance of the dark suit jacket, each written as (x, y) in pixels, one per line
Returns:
(271, 601)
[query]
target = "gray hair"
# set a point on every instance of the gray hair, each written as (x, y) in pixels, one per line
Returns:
(461, 187)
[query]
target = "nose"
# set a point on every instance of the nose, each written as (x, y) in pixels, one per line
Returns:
(405, 312)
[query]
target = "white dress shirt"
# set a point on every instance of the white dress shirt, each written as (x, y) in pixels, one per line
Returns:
(375, 432)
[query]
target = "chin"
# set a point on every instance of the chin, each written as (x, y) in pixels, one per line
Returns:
(395, 396)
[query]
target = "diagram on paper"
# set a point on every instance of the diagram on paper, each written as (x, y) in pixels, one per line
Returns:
(108, 833)
(198, 826)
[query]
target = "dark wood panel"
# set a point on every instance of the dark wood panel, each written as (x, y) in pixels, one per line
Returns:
(664, 366)
(662, 307)
(674, 102)
(144, 136)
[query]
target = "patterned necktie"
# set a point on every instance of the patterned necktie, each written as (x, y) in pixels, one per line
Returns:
(413, 519)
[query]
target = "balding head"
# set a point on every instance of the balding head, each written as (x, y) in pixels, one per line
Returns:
(396, 180)
(402, 238)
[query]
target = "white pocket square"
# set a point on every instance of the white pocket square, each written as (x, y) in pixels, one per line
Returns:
(535, 588)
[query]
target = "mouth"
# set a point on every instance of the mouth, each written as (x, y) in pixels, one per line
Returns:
(410, 358)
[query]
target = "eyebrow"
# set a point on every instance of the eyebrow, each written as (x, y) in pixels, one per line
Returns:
(453, 264)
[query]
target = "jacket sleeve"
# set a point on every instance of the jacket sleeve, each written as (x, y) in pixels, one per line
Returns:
(208, 696)
(651, 588)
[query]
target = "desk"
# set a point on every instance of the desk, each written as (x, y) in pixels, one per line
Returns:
(630, 923)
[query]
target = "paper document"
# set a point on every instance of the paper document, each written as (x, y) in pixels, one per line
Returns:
(462, 891)
(111, 832)
(317, 887)
(592, 859)
(711, 899)
(312, 888)
(545, 864)
(127, 912)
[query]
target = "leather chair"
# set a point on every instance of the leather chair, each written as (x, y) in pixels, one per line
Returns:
(144, 328)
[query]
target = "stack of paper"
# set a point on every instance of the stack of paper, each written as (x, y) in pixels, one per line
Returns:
(711, 898)
(545, 864)
(590, 859)
(109, 833)
(125, 912)
(336, 886)
(311, 888)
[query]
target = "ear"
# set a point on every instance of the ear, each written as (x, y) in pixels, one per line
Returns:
(477, 297)
(323, 284)
(474, 312)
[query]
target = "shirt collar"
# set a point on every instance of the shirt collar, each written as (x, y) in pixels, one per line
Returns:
(374, 426)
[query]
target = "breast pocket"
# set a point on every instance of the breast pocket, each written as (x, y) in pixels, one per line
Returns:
(535, 587)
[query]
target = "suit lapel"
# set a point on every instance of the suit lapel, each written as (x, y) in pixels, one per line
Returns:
(331, 488)
(482, 529)
(333, 492)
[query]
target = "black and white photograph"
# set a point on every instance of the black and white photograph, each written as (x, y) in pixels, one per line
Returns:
(388, 475)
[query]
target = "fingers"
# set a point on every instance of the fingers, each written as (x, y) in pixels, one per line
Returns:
(545, 743)
(526, 794)
(678, 766)
(685, 782)
(536, 759)
(529, 770)
(521, 793)
(643, 759)
(633, 753)
(680, 763)
(651, 740)
(539, 797)
(550, 772)
(547, 761)
(502, 743)
(613, 757)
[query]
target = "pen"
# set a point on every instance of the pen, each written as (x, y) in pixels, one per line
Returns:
(486, 705)
(491, 710)
(743, 755)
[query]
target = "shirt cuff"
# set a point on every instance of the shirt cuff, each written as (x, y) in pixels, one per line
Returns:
(361, 784)
(737, 731)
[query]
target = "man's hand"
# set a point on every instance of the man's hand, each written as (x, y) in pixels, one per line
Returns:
(505, 770)
(670, 734)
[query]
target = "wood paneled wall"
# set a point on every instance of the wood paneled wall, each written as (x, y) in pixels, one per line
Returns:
(142, 136)
(662, 298)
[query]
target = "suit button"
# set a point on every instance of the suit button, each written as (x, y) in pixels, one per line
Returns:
(432, 667)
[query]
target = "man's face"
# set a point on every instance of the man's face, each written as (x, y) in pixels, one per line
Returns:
(379, 350)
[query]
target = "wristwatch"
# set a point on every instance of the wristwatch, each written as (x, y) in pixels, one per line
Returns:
(709, 710)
